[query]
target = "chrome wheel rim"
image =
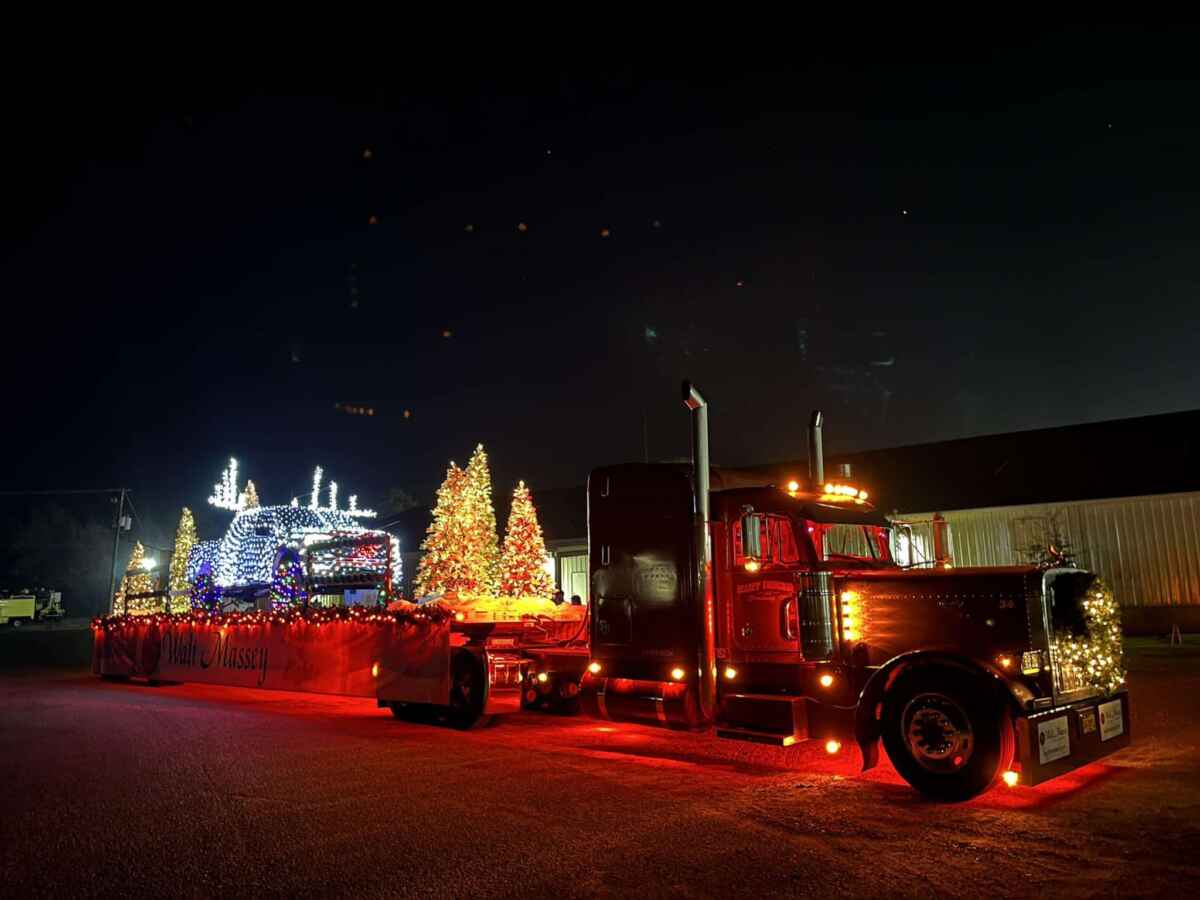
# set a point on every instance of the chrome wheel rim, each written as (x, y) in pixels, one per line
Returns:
(937, 733)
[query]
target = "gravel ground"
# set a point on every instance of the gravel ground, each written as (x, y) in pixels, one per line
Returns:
(209, 791)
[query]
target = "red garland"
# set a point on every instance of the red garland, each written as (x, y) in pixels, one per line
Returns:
(359, 615)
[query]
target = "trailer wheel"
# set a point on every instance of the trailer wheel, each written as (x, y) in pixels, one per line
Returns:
(468, 691)
(947, 735)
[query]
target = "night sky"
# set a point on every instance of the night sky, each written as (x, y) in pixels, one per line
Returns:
(926, 238)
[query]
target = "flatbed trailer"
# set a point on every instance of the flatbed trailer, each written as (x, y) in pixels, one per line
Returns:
(420, 662)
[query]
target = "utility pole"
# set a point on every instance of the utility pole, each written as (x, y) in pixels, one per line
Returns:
(117, 525)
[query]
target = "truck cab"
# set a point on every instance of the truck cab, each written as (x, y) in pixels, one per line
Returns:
(776, 614)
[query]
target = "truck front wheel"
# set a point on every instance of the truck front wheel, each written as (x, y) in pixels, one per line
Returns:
(946, 734)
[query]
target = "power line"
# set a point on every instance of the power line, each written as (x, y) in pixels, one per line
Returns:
(68, 491)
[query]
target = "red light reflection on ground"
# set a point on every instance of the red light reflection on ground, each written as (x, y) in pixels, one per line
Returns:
(626, 742)
(1049, 792)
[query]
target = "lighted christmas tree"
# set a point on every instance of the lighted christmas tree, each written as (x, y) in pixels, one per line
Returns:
(287, 585)
(250, 497)
(442, 566)
(136, 581)
(205, 594)
(185, 539)
(481, 543)
(522, 562)
(1097, 655)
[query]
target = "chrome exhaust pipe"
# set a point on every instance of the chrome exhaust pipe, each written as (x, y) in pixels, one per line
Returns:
(707, 693)
(816, 453)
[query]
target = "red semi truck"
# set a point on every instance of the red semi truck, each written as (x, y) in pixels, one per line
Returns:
(770, 613)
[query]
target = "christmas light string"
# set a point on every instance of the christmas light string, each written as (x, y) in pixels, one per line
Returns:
(410, 614)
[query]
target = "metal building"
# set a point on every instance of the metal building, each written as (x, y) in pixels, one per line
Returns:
(1146, 548)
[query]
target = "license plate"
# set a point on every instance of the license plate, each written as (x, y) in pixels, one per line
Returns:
(1087, 721)
(1112, 723)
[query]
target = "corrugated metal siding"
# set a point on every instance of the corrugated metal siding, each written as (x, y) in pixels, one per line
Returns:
(1147, 548)
(573, 575)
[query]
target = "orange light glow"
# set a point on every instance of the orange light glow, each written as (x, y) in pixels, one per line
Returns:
(543, 677)
(833, 746)
(1005, 661)
(458, 617)
(829, 488)
(594, 667)
(826, 680)
(730, 672)
(677, 673)
(862, 495)
(793, 486)
(752, 565)
(849, 596)
(1011, 778)
(374, 670)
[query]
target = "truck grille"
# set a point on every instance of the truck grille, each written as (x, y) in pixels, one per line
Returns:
(1067, 676)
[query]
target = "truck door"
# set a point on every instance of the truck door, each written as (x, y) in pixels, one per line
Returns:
(766, 617)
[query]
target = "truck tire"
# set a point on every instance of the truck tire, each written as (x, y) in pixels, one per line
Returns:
(468, 691)
(946, 733)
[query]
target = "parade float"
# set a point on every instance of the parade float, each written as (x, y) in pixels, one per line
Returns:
(304, 597)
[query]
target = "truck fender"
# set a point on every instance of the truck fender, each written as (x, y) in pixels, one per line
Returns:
(867, 714)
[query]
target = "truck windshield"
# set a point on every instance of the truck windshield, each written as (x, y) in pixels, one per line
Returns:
(853, 541)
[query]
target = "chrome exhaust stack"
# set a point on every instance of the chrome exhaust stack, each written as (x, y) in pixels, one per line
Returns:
(701, 585)
(816, 453)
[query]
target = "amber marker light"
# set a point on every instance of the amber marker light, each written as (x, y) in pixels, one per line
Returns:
(793, 486)
(826, 680)
(833, 746)
(1005, 661)
(458, 617)
(752, 565)
(374, 670)
(730, 672)
(543, 677)
(677, 673)
(594, 667)
(1011, 778)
